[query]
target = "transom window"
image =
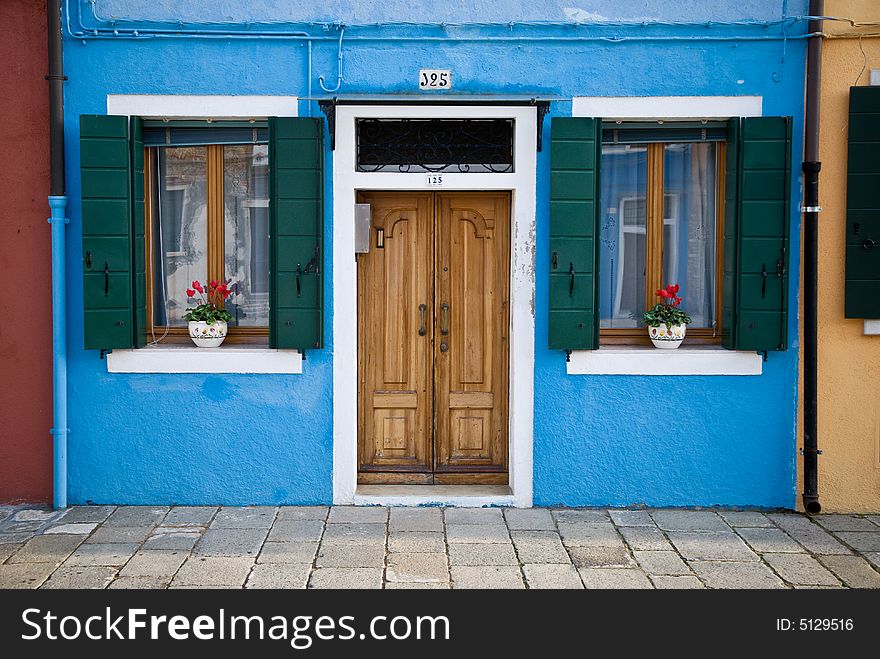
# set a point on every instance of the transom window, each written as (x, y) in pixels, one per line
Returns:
(207, 216)
(435, 145)
(660, 224)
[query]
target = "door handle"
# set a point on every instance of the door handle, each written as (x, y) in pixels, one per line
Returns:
(444, 319)
(423, 309)
(106, 279)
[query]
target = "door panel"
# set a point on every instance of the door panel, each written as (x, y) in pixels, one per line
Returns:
(470, 361)
(394, 369)
(433, 339)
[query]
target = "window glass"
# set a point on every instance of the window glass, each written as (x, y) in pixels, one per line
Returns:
(689, 227)
(246, 232)
(622, 235)
(180, 236)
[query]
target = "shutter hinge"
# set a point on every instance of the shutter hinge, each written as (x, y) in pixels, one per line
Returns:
(816, 451)
(568, 356)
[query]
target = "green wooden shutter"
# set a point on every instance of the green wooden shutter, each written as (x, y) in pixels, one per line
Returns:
(575, 150)
(862, 287)
(296, 147)
(756, 242)
(114, 287)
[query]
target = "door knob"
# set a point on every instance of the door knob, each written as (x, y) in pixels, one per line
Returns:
(444, 319)
(444, 346)
(423, 309)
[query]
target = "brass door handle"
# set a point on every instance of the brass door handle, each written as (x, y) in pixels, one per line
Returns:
(444, 319)
(423, 309)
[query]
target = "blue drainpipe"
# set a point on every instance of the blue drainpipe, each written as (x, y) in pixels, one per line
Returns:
(58, 206)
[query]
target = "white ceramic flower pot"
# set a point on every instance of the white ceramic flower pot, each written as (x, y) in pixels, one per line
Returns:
(205, 335)
(667, 337)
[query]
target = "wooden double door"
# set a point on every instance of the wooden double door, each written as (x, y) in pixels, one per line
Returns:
(433, 335)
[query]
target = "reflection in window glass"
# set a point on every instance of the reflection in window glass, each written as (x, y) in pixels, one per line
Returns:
(246, 232)
(689, 227)
(180, 244)
(622, 239)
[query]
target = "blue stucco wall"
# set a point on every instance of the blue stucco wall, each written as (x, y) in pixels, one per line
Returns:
(601, 440)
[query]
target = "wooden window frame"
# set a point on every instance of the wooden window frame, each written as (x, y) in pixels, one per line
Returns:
(654, 251)
(216, 249)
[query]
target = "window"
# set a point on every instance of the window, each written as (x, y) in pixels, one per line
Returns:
(207, 217)
(435, 145)
(660, 223)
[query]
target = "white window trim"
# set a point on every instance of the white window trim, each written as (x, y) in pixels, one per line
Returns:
(644, 360)
(171, 358)
(666, 107)
(522, 183)
(158, 106)
(190, 359)
(871, 328)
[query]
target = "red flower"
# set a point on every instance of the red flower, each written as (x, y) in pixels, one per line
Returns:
(213, 284)
(197, 286)
(190, 292)
(662, 293)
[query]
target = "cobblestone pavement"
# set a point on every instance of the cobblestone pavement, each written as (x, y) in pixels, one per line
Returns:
(347, 547)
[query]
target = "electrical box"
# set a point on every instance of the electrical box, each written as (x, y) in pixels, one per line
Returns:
(362, 216)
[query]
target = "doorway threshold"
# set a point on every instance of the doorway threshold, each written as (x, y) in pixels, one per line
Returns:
(459, 496)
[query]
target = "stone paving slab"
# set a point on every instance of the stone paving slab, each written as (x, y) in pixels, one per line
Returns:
(431, 568)
(214, 571)
(801, 570)
(486, 577)
(689, 520)
(539, 547)
(416, 519)
(110, 555)
(154, 564)
(552, 576)
(617, 578)
(81, 577)
(646, 538)
(661, 563)
(288, 552)
(416, 542)
(854, 571)
(769, 540)
(190, 516)
(711, 546)
(289, 575)
(432, 547)
(735, 574)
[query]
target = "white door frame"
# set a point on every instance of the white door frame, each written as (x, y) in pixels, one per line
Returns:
(522, 184)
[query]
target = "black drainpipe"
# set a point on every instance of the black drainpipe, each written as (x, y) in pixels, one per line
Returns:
(56, 80)
(811, 211)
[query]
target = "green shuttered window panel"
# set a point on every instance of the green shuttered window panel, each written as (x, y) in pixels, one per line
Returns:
(296, 147)
(575, 146)
(114, 282)
(756, 234)
(862, 287)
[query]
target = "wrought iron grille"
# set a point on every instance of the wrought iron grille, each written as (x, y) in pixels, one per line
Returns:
(434, 145)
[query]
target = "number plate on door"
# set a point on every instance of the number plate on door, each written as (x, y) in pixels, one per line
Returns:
(435, 79)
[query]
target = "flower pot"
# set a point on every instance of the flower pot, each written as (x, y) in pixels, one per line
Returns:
(667, 337)
(205, 335)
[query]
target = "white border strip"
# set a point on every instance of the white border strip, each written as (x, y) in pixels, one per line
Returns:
(667, 107)
(346, 181)
(201, 107)
(871, 328)
(174, 359)
(707, 360)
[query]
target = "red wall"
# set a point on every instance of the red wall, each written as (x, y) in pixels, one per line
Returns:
(25, 257)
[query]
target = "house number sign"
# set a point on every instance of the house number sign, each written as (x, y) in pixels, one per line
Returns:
(434, 180)
(435, 79)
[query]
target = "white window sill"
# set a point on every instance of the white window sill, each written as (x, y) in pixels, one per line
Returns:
(189, 359)
(872, 328)
(645, 360)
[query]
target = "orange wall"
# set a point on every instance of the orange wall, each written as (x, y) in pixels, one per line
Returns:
(849, 361)
(25, 260)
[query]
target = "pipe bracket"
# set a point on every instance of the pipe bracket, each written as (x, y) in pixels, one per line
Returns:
(59, 431)
(53, 220)
(811, 209)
